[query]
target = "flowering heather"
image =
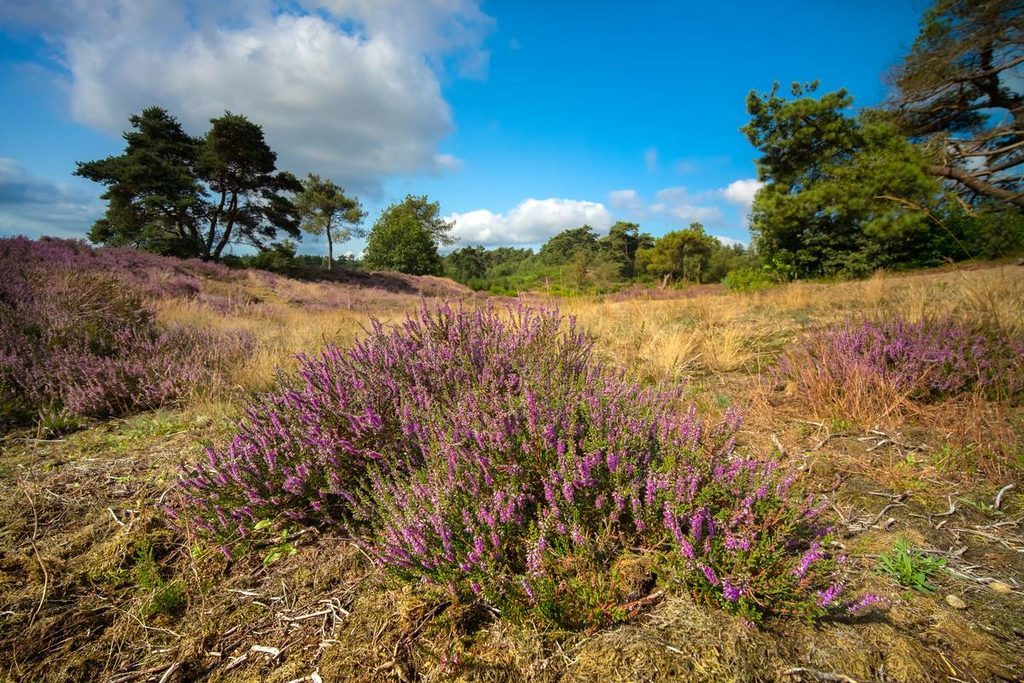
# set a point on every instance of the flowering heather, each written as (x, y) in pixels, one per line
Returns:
(79, 341)
(892, 360)
(484, 451)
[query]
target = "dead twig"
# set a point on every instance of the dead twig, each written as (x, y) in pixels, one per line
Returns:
(39, 559)
(999, 496)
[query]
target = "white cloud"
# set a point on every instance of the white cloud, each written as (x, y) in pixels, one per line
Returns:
(532, 221)
(651, 158)
(346, 88)
(33, 206)
(741, 192)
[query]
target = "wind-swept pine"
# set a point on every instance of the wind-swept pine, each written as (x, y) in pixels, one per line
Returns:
(960, 91)
(175, 194)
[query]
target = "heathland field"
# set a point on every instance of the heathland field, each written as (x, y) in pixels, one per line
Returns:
(809, 482)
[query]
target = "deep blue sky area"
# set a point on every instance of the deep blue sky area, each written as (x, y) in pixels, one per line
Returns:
(521, 118)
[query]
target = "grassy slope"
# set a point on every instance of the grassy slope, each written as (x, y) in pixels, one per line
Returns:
(94, 587)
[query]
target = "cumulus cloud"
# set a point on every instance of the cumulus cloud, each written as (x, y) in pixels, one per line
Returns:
(531, 222)
(741, 192)
(33, 206)
(346, 88)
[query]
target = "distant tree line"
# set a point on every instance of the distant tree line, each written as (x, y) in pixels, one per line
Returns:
(579, 260)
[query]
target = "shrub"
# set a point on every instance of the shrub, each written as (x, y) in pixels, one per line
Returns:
(78, 341)
(485, 452)
(748, 279)
(872, 368)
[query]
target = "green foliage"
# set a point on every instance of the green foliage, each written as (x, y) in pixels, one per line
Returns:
(427, 214)
(325, 209)
(577, 260)
(841, 192)
(989, 230)
(466, 264)
(565, 247)
(726, 258)
(909, 566)
(278, 258)
(164, 597)
(399, 241)
(681, 254)
(282, 549)
(153, 196)
(749, 279)
(621, 245)
(175, 194)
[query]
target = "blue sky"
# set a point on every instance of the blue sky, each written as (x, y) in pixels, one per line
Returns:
(521, 118)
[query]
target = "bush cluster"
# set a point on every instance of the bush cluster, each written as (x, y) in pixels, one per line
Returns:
(77, 338)
(485, 452)
(878, 364)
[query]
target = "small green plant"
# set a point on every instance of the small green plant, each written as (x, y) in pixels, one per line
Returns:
(164, 597)
(282, 549)
(910, 566)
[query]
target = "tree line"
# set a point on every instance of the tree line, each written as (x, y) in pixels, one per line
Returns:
(579, 259)
(935, 174)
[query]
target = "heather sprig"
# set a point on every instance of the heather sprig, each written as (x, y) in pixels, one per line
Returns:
(485, 451)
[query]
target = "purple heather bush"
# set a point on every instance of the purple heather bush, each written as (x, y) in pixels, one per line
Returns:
(875, 365)
(485, 452)
(77, 338)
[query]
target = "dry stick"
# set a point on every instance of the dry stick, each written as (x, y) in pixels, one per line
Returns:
(999, 496)
(39, 559)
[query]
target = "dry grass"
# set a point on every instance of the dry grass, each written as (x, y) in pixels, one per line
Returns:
(720, 332)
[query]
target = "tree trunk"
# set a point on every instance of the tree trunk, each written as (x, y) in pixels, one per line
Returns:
(232, 211)
(213, 223)
(330, 249)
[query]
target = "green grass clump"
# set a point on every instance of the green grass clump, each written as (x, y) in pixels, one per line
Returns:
(910, 567)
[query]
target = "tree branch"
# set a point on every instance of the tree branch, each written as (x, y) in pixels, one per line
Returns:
(976, 184)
